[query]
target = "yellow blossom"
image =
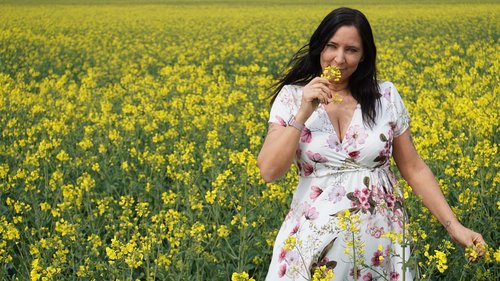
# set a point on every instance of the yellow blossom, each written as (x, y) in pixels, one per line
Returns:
(290, 243)
(243, 276)
(223, 231)
(322, 273)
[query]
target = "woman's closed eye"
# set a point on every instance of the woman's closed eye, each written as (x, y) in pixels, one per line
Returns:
(331, 45)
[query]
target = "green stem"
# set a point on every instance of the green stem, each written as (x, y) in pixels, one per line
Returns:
(156, 263)
(303, 262)
(404, 245)
(232, 254)
(355, 269)
(380, 274)
(241, 248)
(131, 272)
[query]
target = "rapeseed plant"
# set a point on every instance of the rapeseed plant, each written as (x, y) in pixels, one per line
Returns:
(129, 135)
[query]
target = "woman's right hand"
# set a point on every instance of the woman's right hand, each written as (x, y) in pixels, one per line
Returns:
(280, 145)
(315, 92)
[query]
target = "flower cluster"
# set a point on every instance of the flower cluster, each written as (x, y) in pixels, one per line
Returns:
(243, 276)
(332, 73)
(322, 273)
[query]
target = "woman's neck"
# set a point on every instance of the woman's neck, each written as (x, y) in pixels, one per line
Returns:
(340, 88)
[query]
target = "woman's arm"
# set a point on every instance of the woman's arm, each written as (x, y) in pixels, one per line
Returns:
(278, 150)
(423, 183)
(280, 145)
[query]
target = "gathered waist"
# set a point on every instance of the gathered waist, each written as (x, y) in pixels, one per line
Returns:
(330, 171)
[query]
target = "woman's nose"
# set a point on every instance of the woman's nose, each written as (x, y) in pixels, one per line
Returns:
(339, 57)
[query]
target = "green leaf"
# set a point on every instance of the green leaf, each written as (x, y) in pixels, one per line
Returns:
(331, 264)
(366, 181)
(351, 196)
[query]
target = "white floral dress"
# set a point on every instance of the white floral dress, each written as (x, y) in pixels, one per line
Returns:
(335, 176)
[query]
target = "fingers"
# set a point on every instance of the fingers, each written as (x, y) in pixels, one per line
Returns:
(317, 89)
(475, 248)
(320, 80)
(479, 243)
(324, 93)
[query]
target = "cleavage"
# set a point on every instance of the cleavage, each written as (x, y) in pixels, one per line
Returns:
(341, 116)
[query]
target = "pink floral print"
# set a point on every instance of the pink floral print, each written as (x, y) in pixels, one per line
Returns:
(337, 194)
(368, 277)
(306, 135)
(316, 157)
(376, 259)
(356, 136)
(311, 214)
(336, 176)
(315, 192)
(282, 270)
(394, 276)
(281, 121)
(354, 154)
(334, 143)
(307, 168)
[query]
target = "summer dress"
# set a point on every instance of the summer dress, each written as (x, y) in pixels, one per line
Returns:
(334, 176)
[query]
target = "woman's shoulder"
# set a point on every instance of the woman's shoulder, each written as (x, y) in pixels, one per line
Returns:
(383, 85)
(293, 88)
(388, 91)
(290, 97)
(291, 91)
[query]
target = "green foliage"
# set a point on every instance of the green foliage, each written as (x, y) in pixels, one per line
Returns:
(129, 133)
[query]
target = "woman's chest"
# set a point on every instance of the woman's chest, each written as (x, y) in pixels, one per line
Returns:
(370, 146)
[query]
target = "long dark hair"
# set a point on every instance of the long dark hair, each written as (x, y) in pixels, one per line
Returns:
(305, 64)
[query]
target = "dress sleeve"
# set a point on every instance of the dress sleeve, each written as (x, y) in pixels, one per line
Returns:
(282, 107)
(401, 116)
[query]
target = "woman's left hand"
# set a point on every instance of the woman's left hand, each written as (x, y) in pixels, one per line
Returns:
(467, 238)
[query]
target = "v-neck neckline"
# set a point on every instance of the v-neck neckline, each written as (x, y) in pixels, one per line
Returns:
(341, 141)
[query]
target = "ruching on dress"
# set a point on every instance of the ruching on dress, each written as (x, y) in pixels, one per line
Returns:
(349, 167)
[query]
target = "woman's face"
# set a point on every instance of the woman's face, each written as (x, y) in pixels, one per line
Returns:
(344, 50)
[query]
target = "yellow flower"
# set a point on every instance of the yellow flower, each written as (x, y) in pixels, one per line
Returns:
(4, 170)
(210, 196)
(125, 166)
(497, 255)
(85, 144)
(290, 243)
(322, 273)
(82, 271)
(112, 255)
(169, 197)
(198, 231)
(441, 261)
(331, 73)
(223, 231)
(241, 277)
(66, 229)
(35, 270)
(63, 156)
(257, 260)
(472, 251)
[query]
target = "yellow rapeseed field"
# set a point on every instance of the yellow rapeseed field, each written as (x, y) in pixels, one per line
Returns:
(129, 133)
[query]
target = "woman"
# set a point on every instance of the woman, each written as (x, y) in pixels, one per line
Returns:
(347, 212)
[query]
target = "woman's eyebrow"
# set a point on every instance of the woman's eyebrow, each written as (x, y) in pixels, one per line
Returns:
(348, 45)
